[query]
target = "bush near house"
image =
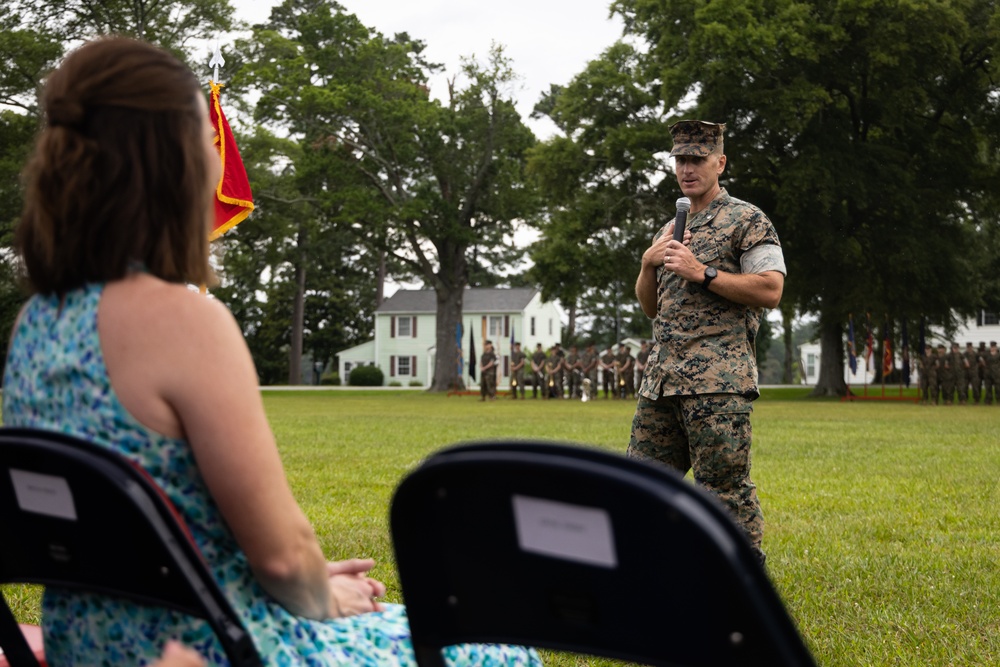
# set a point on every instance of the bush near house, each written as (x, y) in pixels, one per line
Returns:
(366, 376)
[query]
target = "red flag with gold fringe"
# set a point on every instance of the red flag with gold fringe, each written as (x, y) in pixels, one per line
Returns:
(233, 198)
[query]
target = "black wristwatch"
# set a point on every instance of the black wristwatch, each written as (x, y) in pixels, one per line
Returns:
(710, 274)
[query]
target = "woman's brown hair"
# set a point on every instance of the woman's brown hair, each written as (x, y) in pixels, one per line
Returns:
(119, 176)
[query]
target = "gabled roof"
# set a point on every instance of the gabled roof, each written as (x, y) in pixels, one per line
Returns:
(474, 300)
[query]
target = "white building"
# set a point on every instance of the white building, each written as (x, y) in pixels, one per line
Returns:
(404, 345)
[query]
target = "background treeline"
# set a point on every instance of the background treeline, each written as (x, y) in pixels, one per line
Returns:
(868, 131)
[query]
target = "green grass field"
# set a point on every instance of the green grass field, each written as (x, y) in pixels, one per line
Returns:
(883, 534)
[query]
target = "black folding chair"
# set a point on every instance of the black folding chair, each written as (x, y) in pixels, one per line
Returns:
(575, 549)
(78, 516)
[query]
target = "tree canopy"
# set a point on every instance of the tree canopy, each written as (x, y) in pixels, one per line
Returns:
(866, 130)
(435, 187)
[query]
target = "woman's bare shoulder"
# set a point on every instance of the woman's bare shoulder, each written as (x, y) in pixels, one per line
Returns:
(161, 308)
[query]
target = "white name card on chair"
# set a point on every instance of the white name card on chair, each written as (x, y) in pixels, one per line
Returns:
(561, 530)
(43, 494)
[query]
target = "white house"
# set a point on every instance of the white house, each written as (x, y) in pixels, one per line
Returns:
(404, 345)
(983, 329)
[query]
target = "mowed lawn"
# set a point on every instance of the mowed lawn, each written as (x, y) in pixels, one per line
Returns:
(882, 522)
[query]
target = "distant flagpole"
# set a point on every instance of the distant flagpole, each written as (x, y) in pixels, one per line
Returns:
(472, 354)
(869, 348)
(458, 338)
(905, 347)
(852, 351)
(888, 363)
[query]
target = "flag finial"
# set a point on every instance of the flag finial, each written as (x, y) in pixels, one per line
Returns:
(216, 62)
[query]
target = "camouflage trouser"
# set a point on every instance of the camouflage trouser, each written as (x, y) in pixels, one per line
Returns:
(488, 387)
(517, 384)
(991, 388)
(711, 435)
(972, 380)
(575, 381)
(537, 384)
(948, 387)
(592, 376)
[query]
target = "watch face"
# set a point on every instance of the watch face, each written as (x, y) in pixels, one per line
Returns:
(710, 272)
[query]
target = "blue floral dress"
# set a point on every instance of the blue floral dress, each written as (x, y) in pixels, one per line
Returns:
(55, 379)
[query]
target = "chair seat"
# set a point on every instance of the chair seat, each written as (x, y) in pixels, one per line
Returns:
(33, 635)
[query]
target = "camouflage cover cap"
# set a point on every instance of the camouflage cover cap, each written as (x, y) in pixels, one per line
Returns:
(697, 137)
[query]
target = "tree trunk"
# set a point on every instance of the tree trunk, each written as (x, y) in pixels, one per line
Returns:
(448, 317)
(298, 315)
(788, 336)
(831, 362)
(380, 285)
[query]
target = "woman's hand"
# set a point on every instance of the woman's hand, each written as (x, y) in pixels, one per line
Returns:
(178, 655)
(351, 589)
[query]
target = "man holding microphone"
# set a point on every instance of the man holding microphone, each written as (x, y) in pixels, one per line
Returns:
(706, 295)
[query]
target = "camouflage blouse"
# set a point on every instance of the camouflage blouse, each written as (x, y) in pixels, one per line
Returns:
(705, 344)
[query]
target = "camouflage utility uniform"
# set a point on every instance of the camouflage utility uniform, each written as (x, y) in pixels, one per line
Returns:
(958, 372)
(701, 378)
(488, 381)
(608, 373)
(553, 374)
(538, 377)
(517, 373)
(574, 377)
(589, 361)
(933, 383)
(924, 363)
(991, 391)
(972, 372)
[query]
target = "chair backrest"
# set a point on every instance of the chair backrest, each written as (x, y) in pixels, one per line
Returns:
(78, 516)
(575, 549)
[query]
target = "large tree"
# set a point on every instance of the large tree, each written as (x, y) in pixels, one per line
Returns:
(34, 36)
(867, 130)
(295, 281)
(435, 186)
(607, 189)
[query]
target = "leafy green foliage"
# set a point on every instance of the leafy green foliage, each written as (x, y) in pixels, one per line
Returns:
(366, 376)
(432, 187)
(867, 130)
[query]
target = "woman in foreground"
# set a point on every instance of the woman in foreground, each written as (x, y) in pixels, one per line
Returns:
(114, 347)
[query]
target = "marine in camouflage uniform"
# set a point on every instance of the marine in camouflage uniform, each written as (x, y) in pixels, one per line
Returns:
(488, 373)
(607, 363)
(517, 359)
(946, 374)
(925, 362)
(991, 390)
(982, 353)
(626, 367)
(553, 371)
(933, 383)
(560, 374)
(538, 371)
(958, 370)
(590, 361)
(972, 373)
(696, 396)
(573, 370)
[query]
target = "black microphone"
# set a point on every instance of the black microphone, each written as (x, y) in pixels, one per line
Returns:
(683, 206)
